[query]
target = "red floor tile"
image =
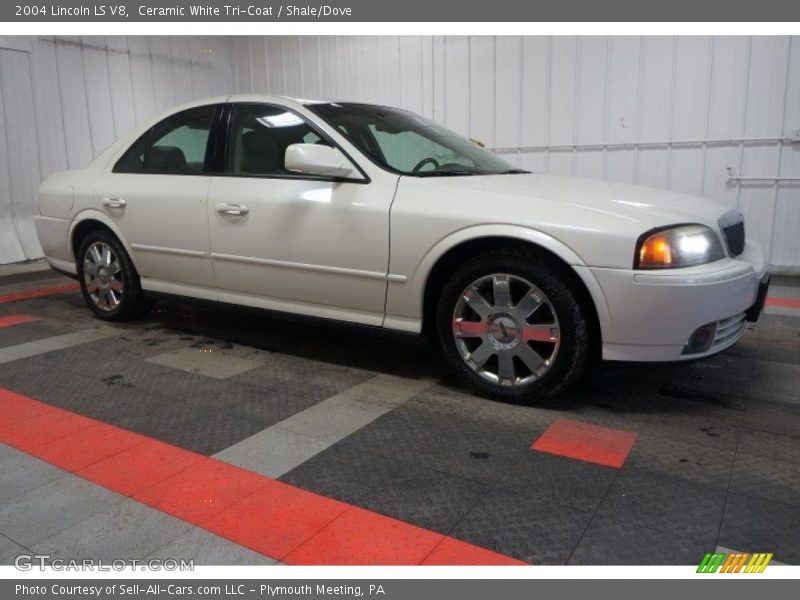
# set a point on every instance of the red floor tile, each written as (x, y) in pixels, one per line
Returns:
(201, 491)
(139, 467)
(590, 443)
(275, 520)
(455, 552)
(784, 302)
(268, 516)
(88, 446)
(17, 320)
(38, 292)
(43, 428)
(361, 537)
(15, 408)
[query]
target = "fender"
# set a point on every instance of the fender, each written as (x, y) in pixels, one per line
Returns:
(525, 234)
(405, 300)
(92, 214)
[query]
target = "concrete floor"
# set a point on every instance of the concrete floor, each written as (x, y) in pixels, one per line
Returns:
(377, 422)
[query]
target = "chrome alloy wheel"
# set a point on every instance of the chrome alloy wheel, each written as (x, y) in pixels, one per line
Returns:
(102, 274)
(506, 330)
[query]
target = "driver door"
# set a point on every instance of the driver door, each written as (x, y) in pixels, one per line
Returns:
(297, 243)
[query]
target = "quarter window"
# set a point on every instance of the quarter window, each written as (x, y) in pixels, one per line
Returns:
(176, 145)
(259, 136)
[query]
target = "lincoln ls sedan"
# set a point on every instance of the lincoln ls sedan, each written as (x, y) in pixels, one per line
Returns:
(377, 216)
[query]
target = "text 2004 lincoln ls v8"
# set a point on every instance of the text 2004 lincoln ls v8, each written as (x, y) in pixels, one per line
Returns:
(377, 216)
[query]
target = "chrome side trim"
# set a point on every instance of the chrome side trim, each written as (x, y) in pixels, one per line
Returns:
(282, 264)
(164, 250)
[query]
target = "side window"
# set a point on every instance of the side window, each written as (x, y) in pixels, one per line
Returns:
(258, 138)
(178, 145)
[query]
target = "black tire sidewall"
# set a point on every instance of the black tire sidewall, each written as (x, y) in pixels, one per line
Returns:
(573, 327)
(131, 298)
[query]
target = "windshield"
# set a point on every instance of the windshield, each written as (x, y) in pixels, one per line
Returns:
(404, 142)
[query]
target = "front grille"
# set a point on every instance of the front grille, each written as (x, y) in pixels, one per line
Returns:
(734, 238)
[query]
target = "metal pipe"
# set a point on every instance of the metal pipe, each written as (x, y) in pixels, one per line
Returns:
(634, 145)
(773, 179)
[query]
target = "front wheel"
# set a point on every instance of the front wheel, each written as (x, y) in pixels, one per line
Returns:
(109, 281)
(511, 324)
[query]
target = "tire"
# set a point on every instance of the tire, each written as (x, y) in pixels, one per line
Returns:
(104, 277)
(482, 304)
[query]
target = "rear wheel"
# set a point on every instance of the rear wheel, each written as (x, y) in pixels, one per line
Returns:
(512, 326)
(109, 281)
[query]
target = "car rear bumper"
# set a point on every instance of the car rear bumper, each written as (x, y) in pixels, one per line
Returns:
(54, 238)
(653, 315)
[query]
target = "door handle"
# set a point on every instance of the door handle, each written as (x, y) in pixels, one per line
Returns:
(114, 203)
(236, 210)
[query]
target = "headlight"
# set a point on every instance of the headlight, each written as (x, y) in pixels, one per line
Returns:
(675, 247)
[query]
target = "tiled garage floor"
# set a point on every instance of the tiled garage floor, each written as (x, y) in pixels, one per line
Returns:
(375, 421)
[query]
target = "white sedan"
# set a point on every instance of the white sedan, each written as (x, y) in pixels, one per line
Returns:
(375, 215)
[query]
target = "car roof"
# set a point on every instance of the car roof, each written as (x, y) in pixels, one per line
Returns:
(277, 99)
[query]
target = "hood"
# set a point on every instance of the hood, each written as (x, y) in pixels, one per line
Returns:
(600, 221)
(649, 207)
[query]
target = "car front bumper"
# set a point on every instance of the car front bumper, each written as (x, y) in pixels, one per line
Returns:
(652, 315)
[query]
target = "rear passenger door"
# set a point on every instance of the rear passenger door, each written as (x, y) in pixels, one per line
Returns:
(157, 194)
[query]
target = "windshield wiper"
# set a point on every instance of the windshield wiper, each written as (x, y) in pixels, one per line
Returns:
(452, 173)
(513, 172)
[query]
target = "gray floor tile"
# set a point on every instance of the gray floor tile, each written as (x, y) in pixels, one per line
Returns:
(9, 550)
(219, 364)
(54, 344)
(272, 452)
(41, 377)
(30, 332)
(776, 381)
(346, 471)
(329, 421)
(701, 431)
(666, 503)
(282, 369)
(680, 459)
(755, 525)
(774, 338)
(205, 548)
(48, 509)
(517, 526)
(202, 431)
(559, 480)
(426, 498)
(780, 445)
(126, 530)
(20, 473)
(766, 478)
(777, 417)
(613, 542)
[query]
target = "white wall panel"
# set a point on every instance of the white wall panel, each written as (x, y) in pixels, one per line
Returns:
(786, 248)
(14, 90)
(64, 99)
(766, 99)
(120, 84)
(543, 100)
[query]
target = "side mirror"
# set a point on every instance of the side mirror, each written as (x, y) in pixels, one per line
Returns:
(315, 159)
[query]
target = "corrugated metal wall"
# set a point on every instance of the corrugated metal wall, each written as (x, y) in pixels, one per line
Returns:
(64, 99)
(674, 112)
